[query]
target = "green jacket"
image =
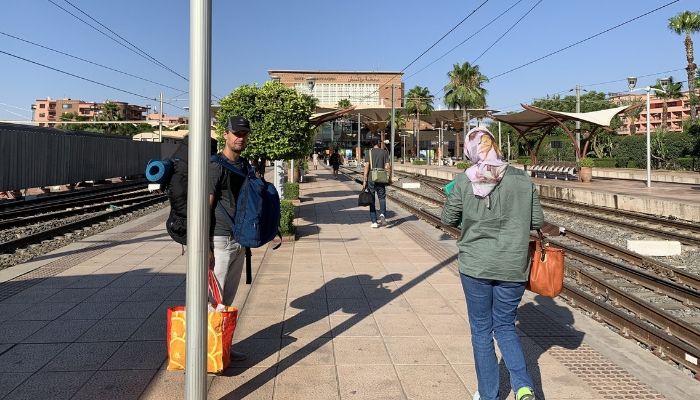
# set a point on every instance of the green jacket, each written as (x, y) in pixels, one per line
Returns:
(494, 241)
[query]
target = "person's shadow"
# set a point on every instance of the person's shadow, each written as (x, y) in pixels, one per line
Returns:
(354, 296)
(546, 325)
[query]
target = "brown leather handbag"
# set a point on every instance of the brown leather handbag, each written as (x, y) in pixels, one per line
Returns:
(546, 268)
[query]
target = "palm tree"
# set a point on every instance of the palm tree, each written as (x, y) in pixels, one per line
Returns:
(344, 103)
(418, 101)
(673, 92)
(465, 90)
(687, 22)
(633, 113)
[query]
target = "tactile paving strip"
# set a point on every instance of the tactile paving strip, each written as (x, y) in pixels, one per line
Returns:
(22, 282)
(560, 341)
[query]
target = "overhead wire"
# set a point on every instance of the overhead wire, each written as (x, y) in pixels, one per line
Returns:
(465, 40)
(506, 32)
(89, 62)
(582, 41)
(138, 49)
(87, 79)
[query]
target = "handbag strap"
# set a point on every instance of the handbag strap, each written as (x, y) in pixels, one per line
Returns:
(541, 240)
(370, 160)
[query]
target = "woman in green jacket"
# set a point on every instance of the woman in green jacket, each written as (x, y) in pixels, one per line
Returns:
(496, 206)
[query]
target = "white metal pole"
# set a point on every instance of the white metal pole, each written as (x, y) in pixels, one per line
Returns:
(418, 135)
(359, 145)
(160, 119)
(499, 137)
(578, 123)
(648, 89)
(197, 200)
(393, 132)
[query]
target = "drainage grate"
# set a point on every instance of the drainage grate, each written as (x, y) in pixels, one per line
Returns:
(22, 282)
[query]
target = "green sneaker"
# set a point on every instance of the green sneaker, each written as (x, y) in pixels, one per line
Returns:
(525, 393)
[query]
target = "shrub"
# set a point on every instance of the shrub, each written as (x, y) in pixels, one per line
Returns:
(291, 190)
(586, 162)
(419, 162)
(688, 164)
(523, 160)
(287, 218)
(605, 162)
(463, 165)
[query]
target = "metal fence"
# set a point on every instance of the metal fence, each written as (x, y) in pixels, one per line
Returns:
(35, 156)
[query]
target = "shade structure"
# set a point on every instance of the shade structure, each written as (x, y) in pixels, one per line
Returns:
(532, 117)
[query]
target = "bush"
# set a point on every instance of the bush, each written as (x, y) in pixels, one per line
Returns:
(586, 162)
(419, 162)
(291, 191)
(605, 162)
(287, 218)
(689, 164)
(463, 165)
(523, 160)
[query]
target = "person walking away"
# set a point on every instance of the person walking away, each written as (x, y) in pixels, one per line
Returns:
(314, 158)
(497, 206)
(226, 255)
(376, 157)
(335, 162)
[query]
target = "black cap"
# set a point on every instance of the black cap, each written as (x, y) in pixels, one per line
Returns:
(237, 124)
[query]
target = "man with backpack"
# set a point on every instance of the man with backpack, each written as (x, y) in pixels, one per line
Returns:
(376, 177)
(225, 253)
(335, 162)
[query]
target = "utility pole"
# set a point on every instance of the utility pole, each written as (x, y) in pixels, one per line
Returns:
(393, 132)
(499, 136)
(359, 145)
(417, 134)
(160, 119)
(578, 123)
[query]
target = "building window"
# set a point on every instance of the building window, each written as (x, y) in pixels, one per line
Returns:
(42, 115)
(42, 105)
(67, 106)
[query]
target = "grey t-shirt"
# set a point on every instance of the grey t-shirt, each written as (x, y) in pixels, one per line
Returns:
(220, 180)
(380, 157)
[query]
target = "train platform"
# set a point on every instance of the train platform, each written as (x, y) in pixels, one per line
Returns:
(344, 312)
(621, 189)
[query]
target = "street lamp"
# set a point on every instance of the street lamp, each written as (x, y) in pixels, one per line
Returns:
(404, 147)
(631, 83)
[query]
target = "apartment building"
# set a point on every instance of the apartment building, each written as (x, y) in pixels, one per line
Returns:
(47, 112)
(678, 111)
(362, 88)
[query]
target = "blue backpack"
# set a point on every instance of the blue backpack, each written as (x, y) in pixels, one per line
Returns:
(257, 218)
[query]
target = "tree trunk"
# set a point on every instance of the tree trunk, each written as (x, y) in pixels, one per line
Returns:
(633, 127)
(664, 117)
(691, 73)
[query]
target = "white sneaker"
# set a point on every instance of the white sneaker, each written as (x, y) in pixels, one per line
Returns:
(382, 220)
(374, 225)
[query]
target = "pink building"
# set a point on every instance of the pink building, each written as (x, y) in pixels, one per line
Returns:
(47, 112)
(678, 111)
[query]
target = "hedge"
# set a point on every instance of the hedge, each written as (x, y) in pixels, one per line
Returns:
(419, 162)
(604, 162)
(523, 160)
(291, 190)
(689, 164)
(287, 218)
(463, 165)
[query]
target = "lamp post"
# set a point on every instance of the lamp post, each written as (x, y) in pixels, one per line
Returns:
(631, 83)
(403, 149)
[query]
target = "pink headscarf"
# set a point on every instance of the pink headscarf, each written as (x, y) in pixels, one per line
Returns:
(488, 168)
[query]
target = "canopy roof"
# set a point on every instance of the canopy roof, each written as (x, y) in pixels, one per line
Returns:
(536, 118)
(381, 115)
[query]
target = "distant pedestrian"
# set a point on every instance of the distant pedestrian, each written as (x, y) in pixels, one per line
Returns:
(376, 158)
(227, 255)
(497, 206)
(335, 162)
(314, 157)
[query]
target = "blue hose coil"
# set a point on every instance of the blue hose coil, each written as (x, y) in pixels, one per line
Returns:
(159, 171)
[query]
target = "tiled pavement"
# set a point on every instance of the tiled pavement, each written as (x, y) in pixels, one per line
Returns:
(345, 312)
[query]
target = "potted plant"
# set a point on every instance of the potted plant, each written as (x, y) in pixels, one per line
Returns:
(585, 169)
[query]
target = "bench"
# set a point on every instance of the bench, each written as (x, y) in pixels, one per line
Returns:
(549, 171)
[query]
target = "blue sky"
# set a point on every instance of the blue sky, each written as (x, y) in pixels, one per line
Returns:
(250, 37)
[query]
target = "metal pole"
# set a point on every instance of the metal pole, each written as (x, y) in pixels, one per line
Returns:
(359, 145)
(442, 140)
(198, 200)
(393, 132)
(648, 89)
(508, 137)
(578, 123)
(499, 136)
(160, 119)
(417, 135)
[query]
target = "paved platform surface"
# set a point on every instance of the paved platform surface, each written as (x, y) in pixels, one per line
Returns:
(345, 312)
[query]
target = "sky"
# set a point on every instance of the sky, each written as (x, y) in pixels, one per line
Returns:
(251, 37)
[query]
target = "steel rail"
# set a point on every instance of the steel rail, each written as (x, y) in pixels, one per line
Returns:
(648, 311)
(10, 245)
(663, 344)
(675, 274)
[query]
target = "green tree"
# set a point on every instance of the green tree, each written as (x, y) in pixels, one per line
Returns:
(633, 113)
(344, 103)
(672, 93)
(279, 119)
(109, 112)
(418, 101)
(465, 89)
(687, 22)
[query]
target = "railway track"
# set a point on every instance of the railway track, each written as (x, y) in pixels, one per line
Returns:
(32, 224)
(639, 296)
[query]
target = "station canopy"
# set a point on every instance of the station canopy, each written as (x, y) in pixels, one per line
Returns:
(532, 118)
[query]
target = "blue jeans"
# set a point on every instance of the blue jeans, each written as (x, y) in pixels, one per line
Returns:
(492, 306)
(380, 189)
